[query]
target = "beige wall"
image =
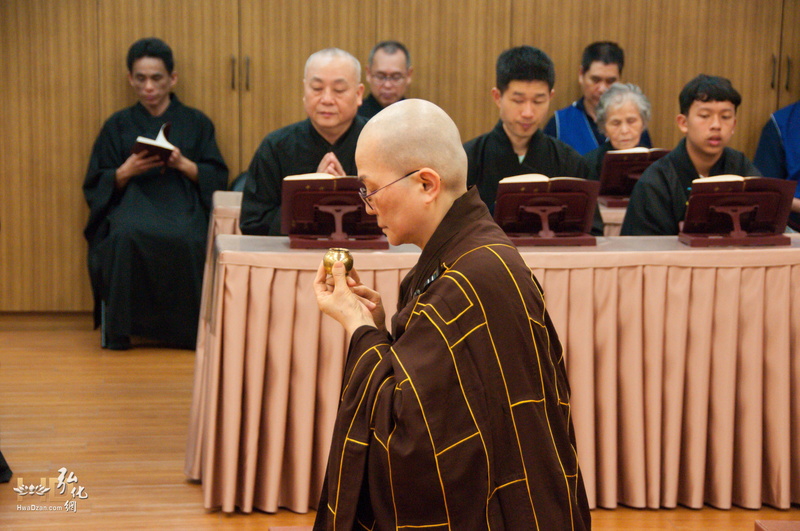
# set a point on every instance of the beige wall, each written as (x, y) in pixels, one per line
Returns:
(240, 61)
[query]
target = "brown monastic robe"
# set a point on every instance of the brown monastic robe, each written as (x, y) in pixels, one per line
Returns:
(461, 419)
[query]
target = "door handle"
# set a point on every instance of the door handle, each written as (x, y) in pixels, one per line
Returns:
(774, 70)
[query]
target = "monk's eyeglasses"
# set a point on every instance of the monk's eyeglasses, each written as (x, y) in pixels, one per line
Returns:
(362, 192)
(394, 79)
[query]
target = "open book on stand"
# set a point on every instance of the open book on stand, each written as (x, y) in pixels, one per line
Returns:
(621, 169)
(160, 146)
(729, 210)
(536, 210)
(319, 210)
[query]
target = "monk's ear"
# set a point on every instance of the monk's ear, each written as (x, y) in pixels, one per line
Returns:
(496, 95)
(360, 94)
(683, 123)
(431, 183)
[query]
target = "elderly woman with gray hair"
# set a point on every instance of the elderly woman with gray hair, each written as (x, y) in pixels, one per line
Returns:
(622, 115)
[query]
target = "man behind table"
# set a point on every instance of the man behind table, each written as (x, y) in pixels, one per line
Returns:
(458, 418)
(525, 77)
(708, 107)
(325, 142)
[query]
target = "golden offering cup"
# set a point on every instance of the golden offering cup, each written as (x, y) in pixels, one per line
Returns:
(338, 254)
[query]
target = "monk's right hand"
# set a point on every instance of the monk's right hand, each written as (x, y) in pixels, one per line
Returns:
(339, 301)
(136, 164)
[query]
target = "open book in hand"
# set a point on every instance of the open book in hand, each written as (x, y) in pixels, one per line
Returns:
(160, 146)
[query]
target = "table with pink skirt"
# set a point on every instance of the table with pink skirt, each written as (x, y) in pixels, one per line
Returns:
(684, 366)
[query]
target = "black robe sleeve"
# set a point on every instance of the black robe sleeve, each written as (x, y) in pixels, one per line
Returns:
(99, 185)
(261, 201)
(212, 172)
(654, 209)
(474, 149)
(5, 470)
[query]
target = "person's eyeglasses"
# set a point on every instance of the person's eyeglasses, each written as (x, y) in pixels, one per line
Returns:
(362, 192)
(395, 78)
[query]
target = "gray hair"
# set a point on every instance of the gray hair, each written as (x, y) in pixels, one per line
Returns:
(334, 52)
(618, 94)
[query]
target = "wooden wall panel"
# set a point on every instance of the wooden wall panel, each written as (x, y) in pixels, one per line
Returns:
(66, 60)
(48, 117)
(745, 25)
(204, 37)
(789, 62)
(730, 38)
(563, 29)
(663, 84)
(454, 46)
(277, 37)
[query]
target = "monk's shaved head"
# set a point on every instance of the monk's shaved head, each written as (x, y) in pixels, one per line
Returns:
(413, 134)
(327, 55)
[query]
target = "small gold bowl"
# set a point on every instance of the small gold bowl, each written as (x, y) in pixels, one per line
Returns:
(337, 254)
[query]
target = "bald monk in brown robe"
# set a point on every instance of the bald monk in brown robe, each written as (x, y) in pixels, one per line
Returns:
(458, 418)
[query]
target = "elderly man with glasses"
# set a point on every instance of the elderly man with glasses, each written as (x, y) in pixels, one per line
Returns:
(460, 417)
(389, 73)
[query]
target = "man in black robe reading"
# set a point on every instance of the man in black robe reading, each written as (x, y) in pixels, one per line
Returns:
(708, 107)
(325, 142)
(525, 80)
(460, 417)
(148, 219)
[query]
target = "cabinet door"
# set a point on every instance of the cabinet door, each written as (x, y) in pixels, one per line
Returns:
(277, 38)
(731, 38)
(204, 37)
(50, 64)
(789, 63)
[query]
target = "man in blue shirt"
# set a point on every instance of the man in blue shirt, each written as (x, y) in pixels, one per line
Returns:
(601, 67)
(778, 152)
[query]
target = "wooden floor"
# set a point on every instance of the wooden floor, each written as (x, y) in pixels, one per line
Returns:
(118, 421)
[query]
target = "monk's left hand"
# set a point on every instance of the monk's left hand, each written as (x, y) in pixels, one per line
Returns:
(183, 165)
(339, 301)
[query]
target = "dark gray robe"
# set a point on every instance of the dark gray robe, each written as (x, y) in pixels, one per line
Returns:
(370, 107)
